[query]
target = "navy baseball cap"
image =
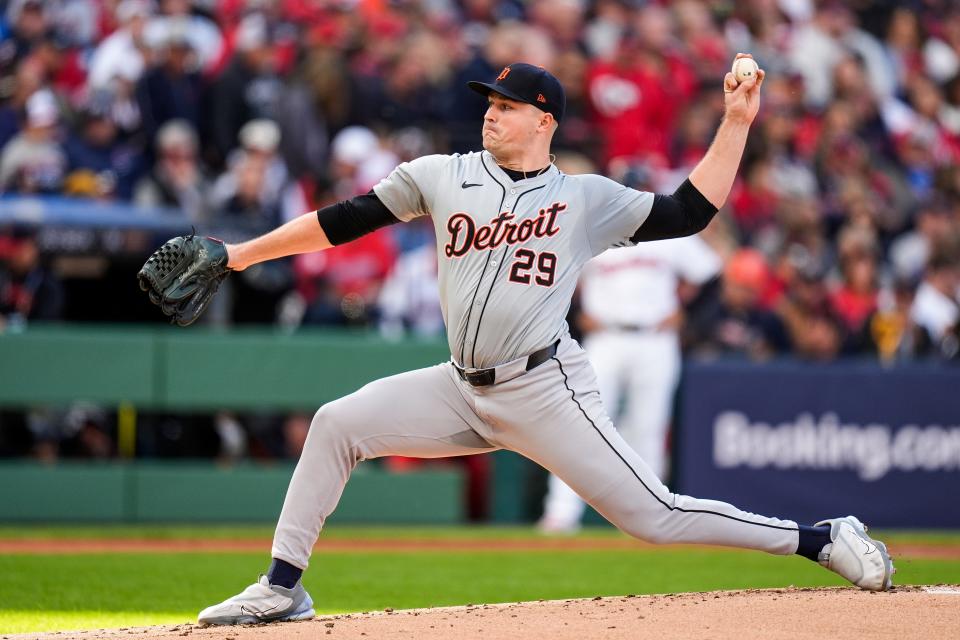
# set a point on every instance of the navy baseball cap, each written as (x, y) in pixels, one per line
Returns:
(527, 83)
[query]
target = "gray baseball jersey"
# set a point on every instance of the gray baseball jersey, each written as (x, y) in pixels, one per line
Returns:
(509, 256)
(509, 253)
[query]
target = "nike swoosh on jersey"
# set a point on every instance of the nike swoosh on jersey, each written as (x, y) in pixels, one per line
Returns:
(467, 185)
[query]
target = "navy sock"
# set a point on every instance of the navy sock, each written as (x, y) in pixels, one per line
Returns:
(283, 574)
(812, 541)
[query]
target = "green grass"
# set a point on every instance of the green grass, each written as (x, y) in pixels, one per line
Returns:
(60, 592)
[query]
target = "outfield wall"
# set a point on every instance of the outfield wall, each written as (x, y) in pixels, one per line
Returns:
(203, 492)
(197, 368)
(795, 440)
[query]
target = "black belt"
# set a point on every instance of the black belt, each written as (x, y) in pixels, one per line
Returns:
(486, 377)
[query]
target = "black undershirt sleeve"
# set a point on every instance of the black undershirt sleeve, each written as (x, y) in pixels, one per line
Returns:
(349, 219)
(683, 213)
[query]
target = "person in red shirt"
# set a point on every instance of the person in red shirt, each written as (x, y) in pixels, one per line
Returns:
(340, 286)
(856, 297)
(637, 96)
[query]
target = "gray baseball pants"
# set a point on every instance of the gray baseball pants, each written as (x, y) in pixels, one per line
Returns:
(552, 415)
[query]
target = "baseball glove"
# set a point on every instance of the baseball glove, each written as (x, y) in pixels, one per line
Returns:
(182, 276)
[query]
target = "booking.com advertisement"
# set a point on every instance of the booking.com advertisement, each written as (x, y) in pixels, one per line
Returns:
(808, 443)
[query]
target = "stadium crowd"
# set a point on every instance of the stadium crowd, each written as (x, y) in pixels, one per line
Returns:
(841, 236)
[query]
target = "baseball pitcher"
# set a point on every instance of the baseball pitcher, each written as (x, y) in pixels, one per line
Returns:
(512, 235)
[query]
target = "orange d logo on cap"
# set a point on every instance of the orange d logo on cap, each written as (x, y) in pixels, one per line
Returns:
(526, 83)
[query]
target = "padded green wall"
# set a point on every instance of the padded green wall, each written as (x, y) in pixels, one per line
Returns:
(205, 492)
(198, 368)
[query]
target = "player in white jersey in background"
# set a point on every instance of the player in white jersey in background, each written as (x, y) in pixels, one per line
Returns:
(631, 314)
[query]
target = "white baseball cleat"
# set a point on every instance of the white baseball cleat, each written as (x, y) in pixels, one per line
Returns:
(261, 602)
(856, 556)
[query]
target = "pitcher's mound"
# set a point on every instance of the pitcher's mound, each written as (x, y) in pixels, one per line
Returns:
(931, 613)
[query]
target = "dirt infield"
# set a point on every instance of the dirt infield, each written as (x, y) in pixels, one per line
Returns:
(930, 613)
(943, 551)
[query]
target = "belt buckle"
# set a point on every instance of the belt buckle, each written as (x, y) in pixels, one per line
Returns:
(478, 377)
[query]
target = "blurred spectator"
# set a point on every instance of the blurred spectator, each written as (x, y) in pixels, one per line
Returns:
(601, 34)
(123, 53)
(732, 322)
(694, 133)
(819, 45)
(27, 80)
(359, 161)
(63, 65)
(247, 88)
(791, 254)
(202, 33)
(33, 161)
(921, 133)
(402, 146)
(637, 95)
(910, 252)
(790, 174)
(28, 289)
(858, 187)
(851, 87)
(125, 111)
(576, 132)
(407, 92)
(171, 89)
(562, 20)
(302, 117)
(81, 431)
(29, 22)
(295, 429)
(903, 44)
(177, 179)
(936, 308)
(855, 299)
(816, 331)
(100, 164)
(250, 199)
(256, 190)
(503, 45)
(341, 285)
(703, 41)
(941, 52)
(243, 195)
(80, 20)
(409, 301)
(763, 29)
(754, 198)
(890, 330)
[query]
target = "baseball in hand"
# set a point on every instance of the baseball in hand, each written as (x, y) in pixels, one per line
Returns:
(744, 69)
